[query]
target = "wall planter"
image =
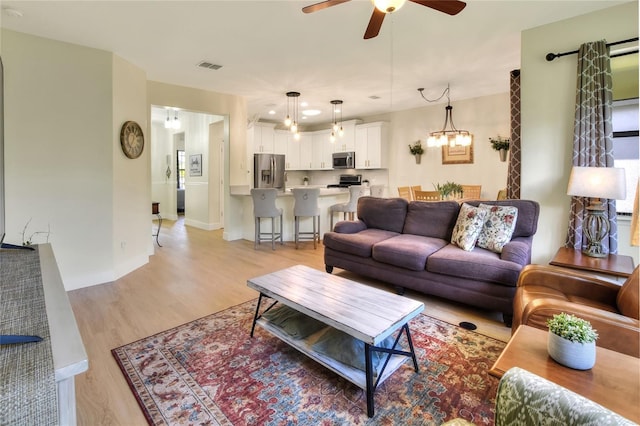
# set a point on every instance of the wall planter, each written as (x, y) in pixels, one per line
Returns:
(416, 150)
(503, 155)
(501, 145)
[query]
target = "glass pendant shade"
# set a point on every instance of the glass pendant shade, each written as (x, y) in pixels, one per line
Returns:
(388, 6)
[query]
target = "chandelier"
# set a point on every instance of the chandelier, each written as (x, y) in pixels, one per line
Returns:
(289, 121)
(447, 136)
(336, 128)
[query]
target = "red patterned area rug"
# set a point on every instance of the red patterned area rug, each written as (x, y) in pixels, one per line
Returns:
(211, 372)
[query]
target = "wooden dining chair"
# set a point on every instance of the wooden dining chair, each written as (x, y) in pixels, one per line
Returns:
(413, 191)
(471, 191)
(404, 192)
(502, 194)
(427, 196)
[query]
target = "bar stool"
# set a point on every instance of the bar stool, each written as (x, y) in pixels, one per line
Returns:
(355, 192)
(306, 205)
(264, 206)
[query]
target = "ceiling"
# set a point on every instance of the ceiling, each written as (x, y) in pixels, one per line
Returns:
(267, 48)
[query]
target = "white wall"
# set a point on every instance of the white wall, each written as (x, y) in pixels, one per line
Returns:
(59, 142)
(548, 97)
(131, 234)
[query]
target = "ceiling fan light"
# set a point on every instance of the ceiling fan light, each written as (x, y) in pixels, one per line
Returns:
(388, 6)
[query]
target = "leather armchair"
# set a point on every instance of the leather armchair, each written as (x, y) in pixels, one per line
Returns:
(613, 310)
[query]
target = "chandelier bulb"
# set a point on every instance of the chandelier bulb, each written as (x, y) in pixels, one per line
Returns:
(287, 121)
(296, 136)
(294, 127)
(341, 132)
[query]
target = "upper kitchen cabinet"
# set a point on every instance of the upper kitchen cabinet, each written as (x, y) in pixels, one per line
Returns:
(347, 142)
(262, 137)
(371, 145)
(323, 149)
(305, 145)
(287, 145)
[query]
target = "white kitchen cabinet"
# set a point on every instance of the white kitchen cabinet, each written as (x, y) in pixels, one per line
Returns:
(322, 150)
(286, 144)
(261, 137)
(347, 142)
(371, 146)
(306, 151)
(281, 141)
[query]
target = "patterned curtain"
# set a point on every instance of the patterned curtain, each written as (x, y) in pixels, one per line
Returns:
(592, 136)
(513, 174)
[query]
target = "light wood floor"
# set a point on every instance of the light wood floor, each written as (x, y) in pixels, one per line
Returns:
(194, 274)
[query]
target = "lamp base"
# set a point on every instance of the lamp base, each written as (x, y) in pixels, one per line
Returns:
(595, 228)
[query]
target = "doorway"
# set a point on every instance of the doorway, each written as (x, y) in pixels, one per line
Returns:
(193, 193)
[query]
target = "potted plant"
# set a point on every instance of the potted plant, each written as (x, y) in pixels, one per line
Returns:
(449, 190)
(501, 145)
(417, 150)
(572, 341)
(305, 181)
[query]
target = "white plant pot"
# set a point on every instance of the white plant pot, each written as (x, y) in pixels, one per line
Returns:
(579, 356)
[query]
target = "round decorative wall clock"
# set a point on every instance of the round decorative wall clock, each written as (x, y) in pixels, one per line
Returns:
(131, 139)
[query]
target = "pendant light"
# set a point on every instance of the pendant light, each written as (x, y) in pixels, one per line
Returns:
(336, 129)
(447, 136)
(291, 121)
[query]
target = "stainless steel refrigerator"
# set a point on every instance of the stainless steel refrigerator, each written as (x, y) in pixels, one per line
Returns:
(268, 171)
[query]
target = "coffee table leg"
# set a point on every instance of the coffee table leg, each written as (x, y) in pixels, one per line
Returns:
(413, 352)
(255, 317)
(369, 377)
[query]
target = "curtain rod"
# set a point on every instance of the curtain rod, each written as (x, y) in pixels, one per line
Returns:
(551, 56)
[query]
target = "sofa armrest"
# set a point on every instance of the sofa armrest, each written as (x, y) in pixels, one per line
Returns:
(570, 282)
(616, 332)
(349, 227)
(528, 399)
(518, 250)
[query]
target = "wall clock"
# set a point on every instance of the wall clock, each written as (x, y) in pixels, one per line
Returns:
(131, 139)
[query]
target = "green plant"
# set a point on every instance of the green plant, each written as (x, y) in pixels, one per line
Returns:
(305, 179)
(416, 148)
(27, 241)
(500, 143)
(572, 328)
(449, 188)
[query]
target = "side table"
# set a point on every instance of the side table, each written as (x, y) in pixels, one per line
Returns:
(612, 382)
(614, 266)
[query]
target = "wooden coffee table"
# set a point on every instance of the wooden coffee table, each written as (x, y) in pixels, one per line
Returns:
(364, 312)
(614, 382)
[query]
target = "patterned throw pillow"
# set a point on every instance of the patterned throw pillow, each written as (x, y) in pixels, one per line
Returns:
(468, 226)
(499, 224)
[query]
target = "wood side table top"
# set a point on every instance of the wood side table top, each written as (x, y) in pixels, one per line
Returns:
(614, 382)
(614, 264)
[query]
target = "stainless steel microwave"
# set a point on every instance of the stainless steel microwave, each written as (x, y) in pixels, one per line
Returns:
(344, 160)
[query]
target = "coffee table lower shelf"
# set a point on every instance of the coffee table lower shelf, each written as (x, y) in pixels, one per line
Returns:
(354, 375)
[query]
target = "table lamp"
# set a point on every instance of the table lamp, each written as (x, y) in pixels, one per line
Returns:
(596, 183)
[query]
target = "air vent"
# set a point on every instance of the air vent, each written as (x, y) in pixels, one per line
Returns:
(209, 65)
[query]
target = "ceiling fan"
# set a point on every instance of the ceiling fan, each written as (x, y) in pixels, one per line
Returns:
(382, 7)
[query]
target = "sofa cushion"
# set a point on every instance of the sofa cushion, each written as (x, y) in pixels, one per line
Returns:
(358, 244)
(407, 251)
(478, 265)
(383, 213)
(498, 226)
(468, 226)
(431, 219)
(528, 212)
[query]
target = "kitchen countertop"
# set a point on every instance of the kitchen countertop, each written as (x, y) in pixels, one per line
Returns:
(324, 191)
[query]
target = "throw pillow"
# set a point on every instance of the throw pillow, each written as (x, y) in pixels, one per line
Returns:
(348, 350)
(294, 323)
(499, 224)
(468, 226)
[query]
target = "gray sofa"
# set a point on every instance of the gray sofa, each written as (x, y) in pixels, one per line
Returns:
(408, 245)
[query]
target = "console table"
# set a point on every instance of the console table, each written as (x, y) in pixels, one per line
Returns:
(616, 266)
(67, 350)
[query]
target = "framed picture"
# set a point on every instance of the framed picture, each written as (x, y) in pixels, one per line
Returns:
(195, 165)
(457, 154)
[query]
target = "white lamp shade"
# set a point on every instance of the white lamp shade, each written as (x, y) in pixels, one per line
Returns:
(597, 182)
(387, 6)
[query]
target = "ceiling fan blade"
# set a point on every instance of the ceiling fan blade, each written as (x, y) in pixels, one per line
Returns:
(450, 7)
(374, 24)
(322, 5)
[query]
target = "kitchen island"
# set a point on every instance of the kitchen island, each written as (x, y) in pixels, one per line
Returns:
(285, 200)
